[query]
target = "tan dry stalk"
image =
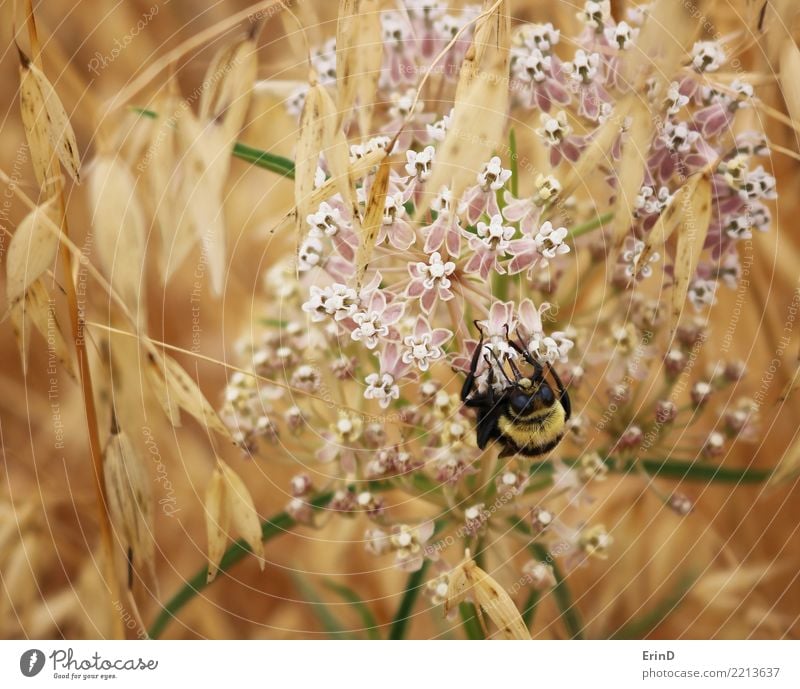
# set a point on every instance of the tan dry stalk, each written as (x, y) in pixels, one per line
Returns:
(76, 320)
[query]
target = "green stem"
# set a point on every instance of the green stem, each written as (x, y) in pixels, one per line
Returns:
(271, 528)
(403, 615)
(561, 592)
(254, 156)
(512, 146)
(674, 469)
(589, 225)
(470, 622)
(529, 609)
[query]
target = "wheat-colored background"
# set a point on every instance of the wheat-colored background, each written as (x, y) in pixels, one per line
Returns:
(742, 545)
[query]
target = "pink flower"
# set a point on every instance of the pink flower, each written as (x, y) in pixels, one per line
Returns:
(482, 198)
(490, 245)
(373, 320)
(394, 226)
(383, 386)
(430, 281)
(446, 229)
(425, 344)
(530, 329)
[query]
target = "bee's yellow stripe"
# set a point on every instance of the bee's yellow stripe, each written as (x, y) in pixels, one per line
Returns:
(540, 428)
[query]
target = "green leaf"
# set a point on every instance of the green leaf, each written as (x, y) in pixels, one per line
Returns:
(254, 156)
(412, 590)
(367, 618)
(470, 622)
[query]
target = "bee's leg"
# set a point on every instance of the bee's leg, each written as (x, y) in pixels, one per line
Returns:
(466, 389)
(518, 346)
(487, 421)
(499, 366)
(563, 396)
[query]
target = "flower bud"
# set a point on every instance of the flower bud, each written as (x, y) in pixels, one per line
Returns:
(666, 411)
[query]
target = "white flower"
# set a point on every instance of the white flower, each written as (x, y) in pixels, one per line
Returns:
(549, 241)
(381, 388)
(707, 56)
(310, 254)
(402, 103)
(547, 188)
(702, 293)
(419, 164)
(739, 227)
(583, 68)
(495, 235)
(438, 130)
(421, 351)
(327, 220)
(541, 36)
(632, 259)
(435, 273)
(595, 14)
(534, 66)
(369, 329)
(493, 176)
(622, 35)
(336, 300)
(675, 100)
(679, 137)
(758, 184)
(554, 129)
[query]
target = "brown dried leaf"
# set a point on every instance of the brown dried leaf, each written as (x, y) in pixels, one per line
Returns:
(120, 229)
(631, 169)
(692, 231)
(679, 207)
(663, 42)
(182, 388)
(206, 165)
(130, 500)
(597, 153)
(790, 78)
(469, 580)
(373, 218)
(42, 313)
(242, 509)
(479, 118)
(347, 56)
(45, 120)
(164, 164)
(309, 145)
(32, 250)
(218, 521)
(231, 75)
(229, 504)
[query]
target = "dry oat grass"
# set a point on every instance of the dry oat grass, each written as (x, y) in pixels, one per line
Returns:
(744, 562)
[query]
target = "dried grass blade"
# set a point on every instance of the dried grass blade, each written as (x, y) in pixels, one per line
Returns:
(469, 580)
(32, 250)
(130, 500)
(120, 229)
(692, 232)
(44, 116)
(373, 217)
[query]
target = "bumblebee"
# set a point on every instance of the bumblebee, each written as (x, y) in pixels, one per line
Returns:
(528, 417)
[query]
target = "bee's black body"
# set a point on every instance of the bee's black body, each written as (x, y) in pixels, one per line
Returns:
(527, 417)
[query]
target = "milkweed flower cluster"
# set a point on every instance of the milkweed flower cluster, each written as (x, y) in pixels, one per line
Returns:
(361, 376)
